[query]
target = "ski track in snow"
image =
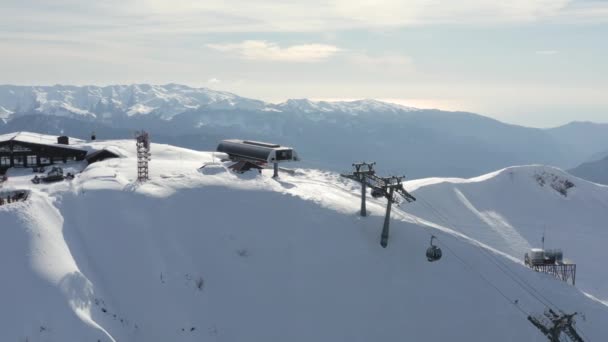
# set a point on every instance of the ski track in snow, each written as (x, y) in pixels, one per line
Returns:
(499, 225)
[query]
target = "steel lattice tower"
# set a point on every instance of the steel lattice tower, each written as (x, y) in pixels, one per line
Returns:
(143, 155)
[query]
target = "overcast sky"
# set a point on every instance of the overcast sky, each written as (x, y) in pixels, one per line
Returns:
(532, 62)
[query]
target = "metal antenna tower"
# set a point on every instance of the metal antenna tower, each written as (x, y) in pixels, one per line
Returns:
(143, 155)
(360, 174)
(389, 187)
(554, 325)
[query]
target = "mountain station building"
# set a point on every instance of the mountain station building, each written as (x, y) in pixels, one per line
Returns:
(25, 149)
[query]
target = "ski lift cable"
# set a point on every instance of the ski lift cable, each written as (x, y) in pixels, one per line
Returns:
(494, 286)
(515, 223)
(475, 271)
(496, 260)
(498, 263)
(485, 279)
(503, 267)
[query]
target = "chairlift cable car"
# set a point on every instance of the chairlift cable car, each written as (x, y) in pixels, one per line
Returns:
(377, 193)
(433, 253)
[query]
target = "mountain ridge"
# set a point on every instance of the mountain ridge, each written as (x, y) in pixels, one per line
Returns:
(424, 142)
(164, 100)
(594, 171)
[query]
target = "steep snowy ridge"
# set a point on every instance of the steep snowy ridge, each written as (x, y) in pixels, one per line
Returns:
(208, 255)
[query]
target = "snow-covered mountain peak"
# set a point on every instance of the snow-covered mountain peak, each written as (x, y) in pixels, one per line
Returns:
(372, 105)
(164, 101)
(306, 106)
(531, 176)
(353, 107)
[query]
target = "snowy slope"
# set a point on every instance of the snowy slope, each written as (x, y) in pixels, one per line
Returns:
(4, 114)
(511, 208)
(212, 256)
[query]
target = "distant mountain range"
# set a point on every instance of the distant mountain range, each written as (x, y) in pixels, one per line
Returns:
(417, 142)
(595, 171)
(160, 101)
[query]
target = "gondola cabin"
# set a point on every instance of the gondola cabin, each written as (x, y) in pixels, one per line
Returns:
(257, 153)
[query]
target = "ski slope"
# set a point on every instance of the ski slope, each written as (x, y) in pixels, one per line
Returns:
(208, 255)
(511, 209)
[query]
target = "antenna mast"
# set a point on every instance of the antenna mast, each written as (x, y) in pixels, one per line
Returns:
(142, 139)
(543, 239)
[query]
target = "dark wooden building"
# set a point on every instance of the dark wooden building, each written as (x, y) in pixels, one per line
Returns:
(24, 149)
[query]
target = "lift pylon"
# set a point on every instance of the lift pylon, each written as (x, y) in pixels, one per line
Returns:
(392, 189)
(360, 173)
(389, 187)
(553, 325)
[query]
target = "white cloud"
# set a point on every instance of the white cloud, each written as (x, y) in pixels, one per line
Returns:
(267, 51)
(186, 16)
(213, 80)
(322, 15)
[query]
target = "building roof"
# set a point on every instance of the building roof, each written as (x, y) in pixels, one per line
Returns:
(100, 155)
(37, 138)
(257, 143)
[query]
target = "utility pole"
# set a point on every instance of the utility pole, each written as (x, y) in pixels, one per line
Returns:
(543, 239)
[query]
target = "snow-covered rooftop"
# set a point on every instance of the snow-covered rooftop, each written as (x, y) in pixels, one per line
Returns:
(37, 138)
